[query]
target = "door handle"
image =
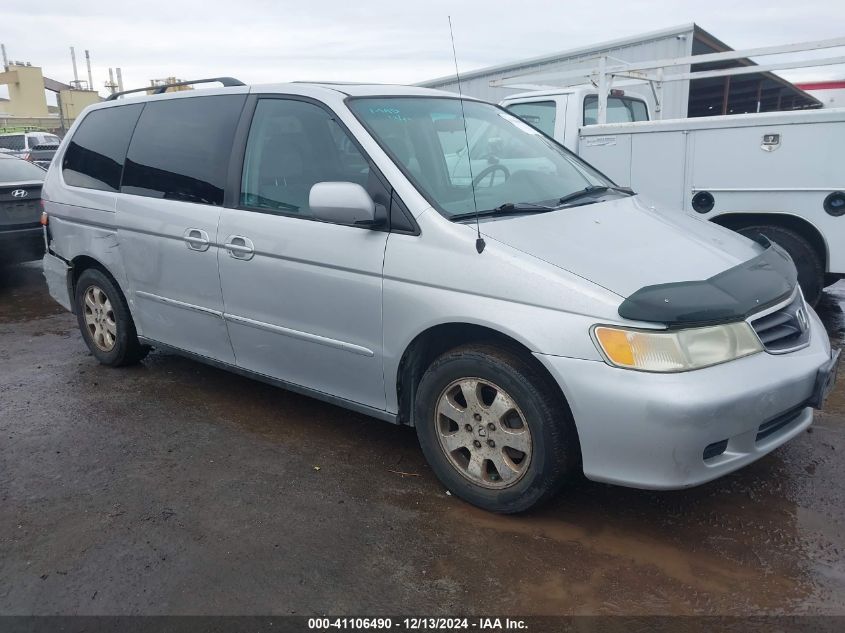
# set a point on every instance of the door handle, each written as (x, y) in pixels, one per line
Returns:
(196, 239)
(239, 247)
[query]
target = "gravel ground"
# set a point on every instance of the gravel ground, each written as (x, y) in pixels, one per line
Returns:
(176, 488)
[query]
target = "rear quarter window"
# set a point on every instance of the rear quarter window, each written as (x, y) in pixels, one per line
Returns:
(96, 152)
(181, 149)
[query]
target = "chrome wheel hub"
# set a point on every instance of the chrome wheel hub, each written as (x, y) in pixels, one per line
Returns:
(99, 318)
(483, 433)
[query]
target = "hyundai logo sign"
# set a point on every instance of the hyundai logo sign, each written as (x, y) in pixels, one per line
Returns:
(20, 193)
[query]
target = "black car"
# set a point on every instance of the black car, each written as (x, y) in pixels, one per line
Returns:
(20, 210)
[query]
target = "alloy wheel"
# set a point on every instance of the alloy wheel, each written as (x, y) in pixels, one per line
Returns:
(483, 433)
(99, 318)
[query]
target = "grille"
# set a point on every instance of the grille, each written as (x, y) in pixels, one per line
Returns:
(773, 426)
(784, 329)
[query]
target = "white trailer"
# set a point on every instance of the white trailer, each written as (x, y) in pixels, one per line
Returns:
(779, 174)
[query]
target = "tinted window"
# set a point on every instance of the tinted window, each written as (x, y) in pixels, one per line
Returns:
(181, 148)
(12, 141)
(292, 146)
(540, 114)
(619, 110)
(95, 155)
(17, 170)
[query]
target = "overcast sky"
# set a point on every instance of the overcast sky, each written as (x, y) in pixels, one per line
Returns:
(261, 41)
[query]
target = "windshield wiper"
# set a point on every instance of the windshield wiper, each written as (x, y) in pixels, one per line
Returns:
(510, 207)
(506, 208)
(592, 190)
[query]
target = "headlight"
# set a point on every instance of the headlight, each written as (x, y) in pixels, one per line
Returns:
(679, 350)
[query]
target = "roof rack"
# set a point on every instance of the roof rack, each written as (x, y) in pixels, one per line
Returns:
(227, 82)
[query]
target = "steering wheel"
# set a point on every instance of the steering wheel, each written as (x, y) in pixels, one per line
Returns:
(490, 171)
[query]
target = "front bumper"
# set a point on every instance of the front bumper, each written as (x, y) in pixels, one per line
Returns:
(667, 431)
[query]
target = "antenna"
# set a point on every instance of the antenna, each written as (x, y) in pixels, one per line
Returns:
(479, 241)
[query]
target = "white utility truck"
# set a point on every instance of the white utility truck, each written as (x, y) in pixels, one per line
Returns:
(779, 174)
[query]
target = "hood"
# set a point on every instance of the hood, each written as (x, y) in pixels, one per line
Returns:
(623, 245)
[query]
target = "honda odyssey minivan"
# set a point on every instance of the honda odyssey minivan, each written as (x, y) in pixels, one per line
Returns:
(434, 262)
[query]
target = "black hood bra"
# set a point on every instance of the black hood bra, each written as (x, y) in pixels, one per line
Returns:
(732, 295)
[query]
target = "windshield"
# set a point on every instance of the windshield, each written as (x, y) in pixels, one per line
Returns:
(17, 170)
(509, 161)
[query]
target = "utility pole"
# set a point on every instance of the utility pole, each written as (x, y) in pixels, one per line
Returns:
(75, 73)
(88, 63)
(110, 85)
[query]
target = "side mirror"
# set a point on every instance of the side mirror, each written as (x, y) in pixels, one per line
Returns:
(342, 202)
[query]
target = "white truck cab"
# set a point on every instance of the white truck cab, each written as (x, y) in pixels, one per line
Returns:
(562, 113)
(776, 173)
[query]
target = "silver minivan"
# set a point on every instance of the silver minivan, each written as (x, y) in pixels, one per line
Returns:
(434, 262)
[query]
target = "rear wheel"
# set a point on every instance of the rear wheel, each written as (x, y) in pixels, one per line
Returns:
(807, 261)
(494, 429)
(105, 321)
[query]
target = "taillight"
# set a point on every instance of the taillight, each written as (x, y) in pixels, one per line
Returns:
(28, 157)
(45, 220)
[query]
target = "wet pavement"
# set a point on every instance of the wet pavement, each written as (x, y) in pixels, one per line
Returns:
(176, 488)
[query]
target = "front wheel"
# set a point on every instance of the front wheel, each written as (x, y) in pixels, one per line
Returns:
(105, 320)
(807, 261)
(494, 428)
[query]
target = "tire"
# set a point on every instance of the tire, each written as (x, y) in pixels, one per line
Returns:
(523, 401)
(105, 320)
(807, 261)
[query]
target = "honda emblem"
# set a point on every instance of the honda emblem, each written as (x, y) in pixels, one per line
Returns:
(801, 317)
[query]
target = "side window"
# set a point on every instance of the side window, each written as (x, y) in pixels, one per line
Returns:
(619, 110)
(591, 110)
(292, 146)
(181, 149)
(96, 153)
(540, 114)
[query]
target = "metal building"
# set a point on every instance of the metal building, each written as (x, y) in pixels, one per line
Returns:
(756, 92)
